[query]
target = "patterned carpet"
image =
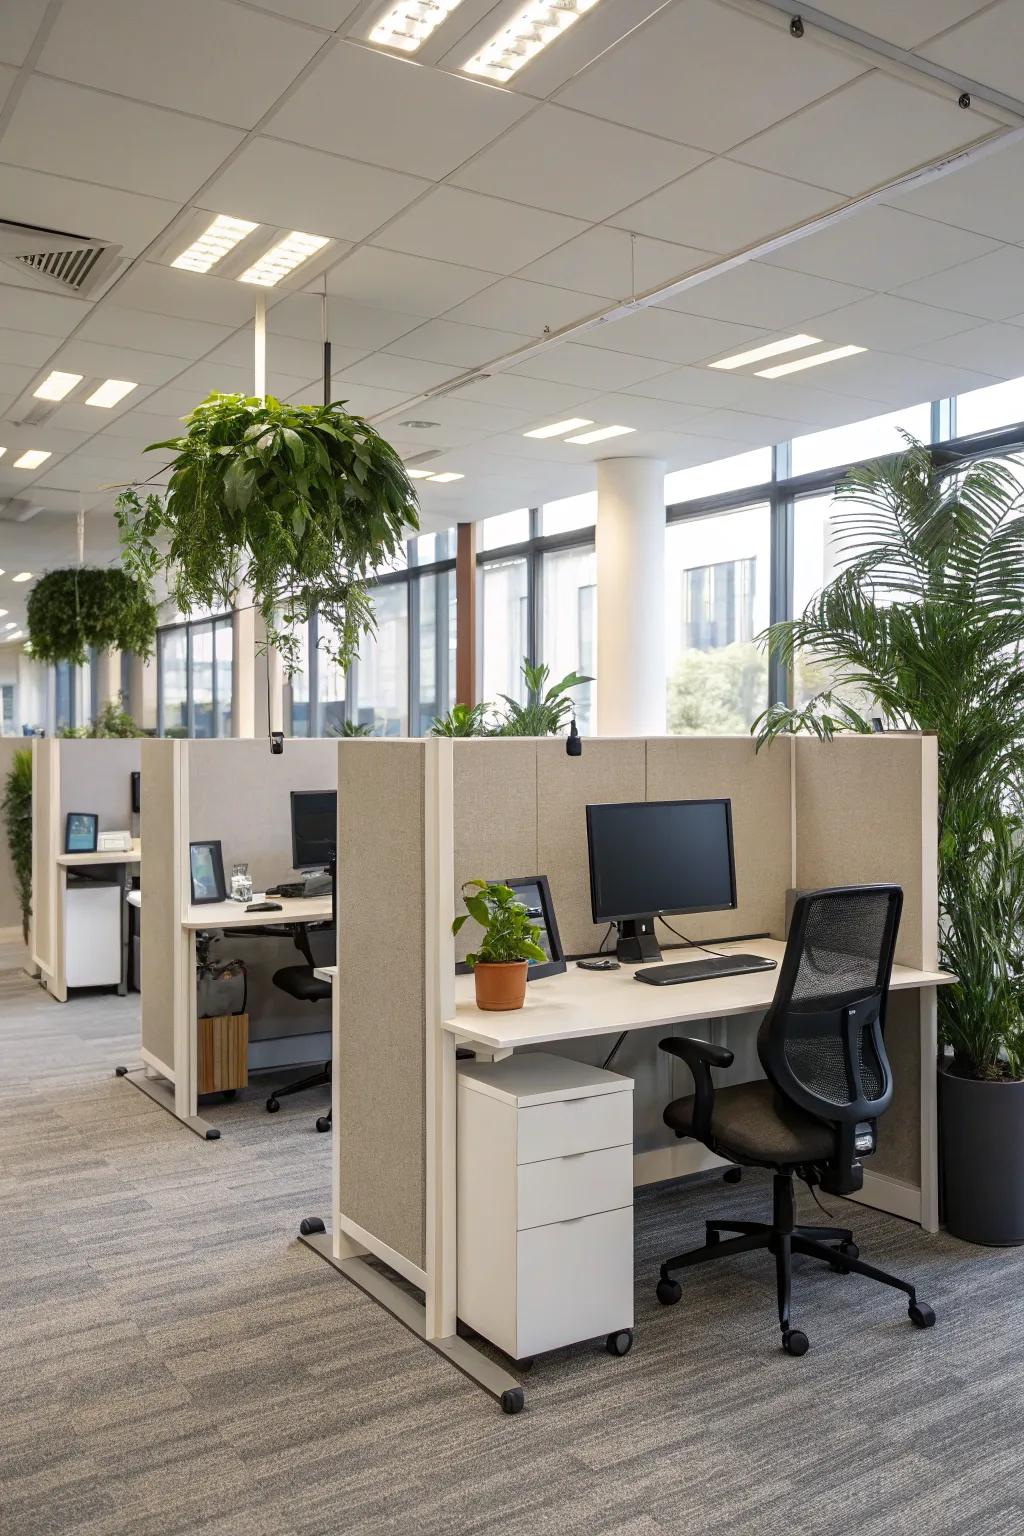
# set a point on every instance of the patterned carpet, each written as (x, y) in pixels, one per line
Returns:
(173, 1361)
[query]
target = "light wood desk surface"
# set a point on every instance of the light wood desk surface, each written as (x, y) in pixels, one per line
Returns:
(579, 1003)
(232, 914)
(72, 860)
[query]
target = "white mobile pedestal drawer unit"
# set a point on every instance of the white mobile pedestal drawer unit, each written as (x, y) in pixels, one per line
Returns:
(545, 1203)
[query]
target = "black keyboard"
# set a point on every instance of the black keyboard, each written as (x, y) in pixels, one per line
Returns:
(704, 969)
(290, 889)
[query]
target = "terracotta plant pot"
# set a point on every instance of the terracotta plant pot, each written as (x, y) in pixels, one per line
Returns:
(500, 988)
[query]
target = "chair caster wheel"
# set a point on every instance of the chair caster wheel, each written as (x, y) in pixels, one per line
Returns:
(921, 1314)
(229, 1095)
(273, 1105)
(310, 1224)
(512, 1400)
(120, 1071)
(732, 1175)
(323, 1122)
(794, 1342)
(669, 1291)
(619, 1343)
(848, 1251)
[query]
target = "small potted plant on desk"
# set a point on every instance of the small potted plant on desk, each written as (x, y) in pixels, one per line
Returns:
(509, 944)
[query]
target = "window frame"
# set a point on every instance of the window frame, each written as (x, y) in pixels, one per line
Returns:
(217, 622)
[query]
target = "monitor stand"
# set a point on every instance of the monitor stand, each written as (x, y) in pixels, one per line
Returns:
(637, 939)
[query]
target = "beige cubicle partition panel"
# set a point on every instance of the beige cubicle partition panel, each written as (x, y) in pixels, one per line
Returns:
(380, 1067)
(10, 909)
(96, 776)
(45, 847)
(161, 899)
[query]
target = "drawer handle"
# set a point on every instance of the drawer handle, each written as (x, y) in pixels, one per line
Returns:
(569, 1156)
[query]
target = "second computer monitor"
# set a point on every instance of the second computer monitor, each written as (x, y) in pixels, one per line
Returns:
(658, 856)
(314, 827)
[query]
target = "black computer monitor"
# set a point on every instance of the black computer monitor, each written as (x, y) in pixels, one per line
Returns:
(314, 827)
(658, 856)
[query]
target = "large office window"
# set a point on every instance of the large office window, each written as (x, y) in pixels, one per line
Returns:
(434, 648)
(569, 623)
(382, 671)
(716, 602)
(194, 687)
(504, 599)
(860, 440)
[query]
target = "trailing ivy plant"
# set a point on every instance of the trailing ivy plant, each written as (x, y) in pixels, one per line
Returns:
(69, 611)
(299, 503)
(17, 812)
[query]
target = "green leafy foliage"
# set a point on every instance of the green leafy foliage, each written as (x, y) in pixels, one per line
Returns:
(70, 610)
(113, 720)
(300, 503)
(349, 729)
(546, 711)
(17, 813)
(927, 623)
(509, 935)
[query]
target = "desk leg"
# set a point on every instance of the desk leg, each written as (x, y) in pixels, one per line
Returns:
(180, 1098)
(929, 1109)
(126, 885)
(57, 983)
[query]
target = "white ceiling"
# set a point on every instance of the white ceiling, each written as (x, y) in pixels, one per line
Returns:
(469, 221)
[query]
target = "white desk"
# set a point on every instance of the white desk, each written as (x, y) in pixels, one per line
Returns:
(129, 862)
(176, 1089)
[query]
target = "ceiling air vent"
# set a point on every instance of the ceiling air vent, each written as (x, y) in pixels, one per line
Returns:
(56, 261)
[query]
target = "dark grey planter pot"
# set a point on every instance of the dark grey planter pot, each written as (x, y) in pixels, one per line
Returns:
(981, 1138)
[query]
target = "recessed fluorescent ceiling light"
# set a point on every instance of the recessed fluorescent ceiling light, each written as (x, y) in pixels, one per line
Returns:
(57, 385)
(109, 393)
(407, 26)
(560, 428)
(448, 475)
(11, 625)
(31, 459)
(807, 362)
(419, 474)
(22, 576)
(599, 434)
(770, 349)
(16, 635)
(283, 258)
(3, 611)
(2, 452)
(533, 29)
(214, 243)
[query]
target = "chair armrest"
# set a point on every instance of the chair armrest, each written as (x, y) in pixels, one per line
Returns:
(700, 1056)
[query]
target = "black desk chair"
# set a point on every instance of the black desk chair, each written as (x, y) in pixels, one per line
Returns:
(301, 982)
(829, 1079)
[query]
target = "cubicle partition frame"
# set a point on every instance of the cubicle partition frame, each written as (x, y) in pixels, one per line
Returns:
(236, 790)
(74, 774)
(433, 813)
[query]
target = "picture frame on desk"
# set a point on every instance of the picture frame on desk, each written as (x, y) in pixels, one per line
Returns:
(206, 869)
(81, 832)
(535, 894)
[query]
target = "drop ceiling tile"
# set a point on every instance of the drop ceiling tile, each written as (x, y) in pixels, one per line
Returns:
(907, 24)
(7, 79)
(723, 206)
(361, 399)
(128, 219)
(990, 286)
(897, 380)
(640, 412)
(192, 56)
(592, 367)
(88, 472)
(377, 108)
(461, 414)
(573, 164)
(28, 349)
(93, 359)
(92, 136)
(515, 305)
(118, 326)
(890, 324)
(30, 310)
(452, 225)
(881, 248)
(186, 295)
(982, 196)
(995, 348)
(540, 398)
(710, 388)
(413, 284)
(18, 26)
(670, 337)
(768, 297)
(754, 431)
(613, 264)
(353, 326)
(173, 400)
(298, 357)
(201, 379)
(92, 419)
(408, 375)
(139, 428)
(870, 132)
(294, 187)
(14, 379)
(705, 75)
(465, 346)
(985, 47)
(329, 14)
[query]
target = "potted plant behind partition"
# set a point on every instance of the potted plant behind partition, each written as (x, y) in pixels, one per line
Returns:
(545, 713)
(509, 944)
(927, 621)
(17, 813)
(297, 503)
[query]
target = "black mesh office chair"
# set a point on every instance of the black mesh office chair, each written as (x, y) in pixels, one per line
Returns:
(301, 982)
(828, 1080)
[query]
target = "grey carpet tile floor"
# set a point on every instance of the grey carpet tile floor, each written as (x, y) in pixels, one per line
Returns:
(174, 1363)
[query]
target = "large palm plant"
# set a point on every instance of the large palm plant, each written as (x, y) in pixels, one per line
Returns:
(926, 623)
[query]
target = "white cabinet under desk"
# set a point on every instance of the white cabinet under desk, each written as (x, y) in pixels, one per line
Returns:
(545, 1202)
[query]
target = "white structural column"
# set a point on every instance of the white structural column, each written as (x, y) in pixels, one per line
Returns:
(257, 677)
(108, 677)
(631, 597)
(142, 692)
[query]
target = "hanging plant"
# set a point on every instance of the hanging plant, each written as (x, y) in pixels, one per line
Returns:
(71, 610)
(298, 503)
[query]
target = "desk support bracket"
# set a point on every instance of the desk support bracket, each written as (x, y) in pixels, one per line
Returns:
(162, 1093)
(412, 1314)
